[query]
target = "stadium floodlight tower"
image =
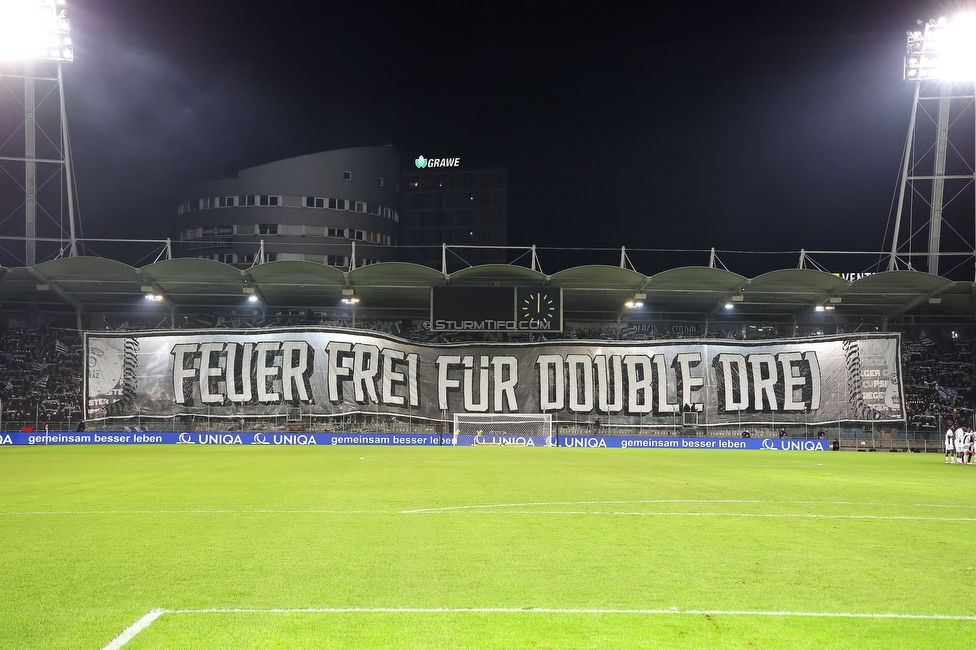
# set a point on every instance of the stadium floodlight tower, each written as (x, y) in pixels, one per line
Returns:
(941, 63)
(34, 38)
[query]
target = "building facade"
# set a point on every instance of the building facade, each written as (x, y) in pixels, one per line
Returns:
(453, 205)
(340, 208)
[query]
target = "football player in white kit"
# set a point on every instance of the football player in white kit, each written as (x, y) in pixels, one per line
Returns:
(950, 444)
(960, 445)
(970, 442)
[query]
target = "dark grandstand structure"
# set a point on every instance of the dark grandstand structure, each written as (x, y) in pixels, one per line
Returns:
(45, 308)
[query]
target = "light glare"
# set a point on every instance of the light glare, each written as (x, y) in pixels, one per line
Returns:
(33, 29)
(946, 50)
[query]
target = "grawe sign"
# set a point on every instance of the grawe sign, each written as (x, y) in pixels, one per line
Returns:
(424, 163)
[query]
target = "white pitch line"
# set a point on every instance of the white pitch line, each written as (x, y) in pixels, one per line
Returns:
(501, 506)
(267, 511)
(489, 506)
(800, 515)
(134, 629)
(146, 620)
(553, 610)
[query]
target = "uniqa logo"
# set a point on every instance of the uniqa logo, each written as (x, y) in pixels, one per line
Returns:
(421, 162)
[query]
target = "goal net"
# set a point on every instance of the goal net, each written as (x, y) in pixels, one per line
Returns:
(530, 430)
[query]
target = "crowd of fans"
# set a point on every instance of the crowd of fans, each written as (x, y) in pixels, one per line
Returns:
(41, 368)
(40, 374)
(940, 378)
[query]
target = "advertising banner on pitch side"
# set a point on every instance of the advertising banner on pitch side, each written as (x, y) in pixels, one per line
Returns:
(407, 440)
(325, 372)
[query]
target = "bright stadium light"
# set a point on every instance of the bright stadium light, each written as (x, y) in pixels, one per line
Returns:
(944, 50)
(33, 35)
(34, 29)
(940, 62)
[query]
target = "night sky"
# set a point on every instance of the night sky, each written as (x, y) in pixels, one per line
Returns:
(750, 126)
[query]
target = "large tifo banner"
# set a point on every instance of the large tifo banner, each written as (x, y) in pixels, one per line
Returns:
(329, 372)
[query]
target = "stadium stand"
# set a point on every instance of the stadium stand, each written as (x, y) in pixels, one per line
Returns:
(45, 307)
(40, 376)
(41, 380)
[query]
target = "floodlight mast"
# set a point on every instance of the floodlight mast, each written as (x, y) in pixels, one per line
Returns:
(34, 31)
(941, 56)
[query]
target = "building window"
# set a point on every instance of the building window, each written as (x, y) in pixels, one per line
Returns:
(264, 199)
(360, 206)
(380, 181)
(268, 229)
(228, 201)
(336, 260)
(229, 258)
(271, 257)
(247, 258)
(336, 232)
(245, 199)
(413, 185)
(347, 175)
(357, 234)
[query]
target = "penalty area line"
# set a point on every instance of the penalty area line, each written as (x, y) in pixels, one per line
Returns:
(144, 622)
(134, 629)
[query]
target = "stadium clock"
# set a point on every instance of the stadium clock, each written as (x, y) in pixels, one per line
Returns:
(539, 308)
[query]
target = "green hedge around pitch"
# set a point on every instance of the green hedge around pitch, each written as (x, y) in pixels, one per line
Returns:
(483, 548)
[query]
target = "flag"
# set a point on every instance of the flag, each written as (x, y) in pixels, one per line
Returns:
(60, 347)
(924, 339)
(9, 386)
(42, 382)
(37, 366)
(948, 394)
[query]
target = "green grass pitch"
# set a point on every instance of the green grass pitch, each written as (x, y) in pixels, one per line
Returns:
(516, 548)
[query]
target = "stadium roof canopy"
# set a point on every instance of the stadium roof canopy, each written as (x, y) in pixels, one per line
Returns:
(401, 290)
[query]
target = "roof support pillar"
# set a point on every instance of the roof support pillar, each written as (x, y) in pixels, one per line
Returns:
(60, 292)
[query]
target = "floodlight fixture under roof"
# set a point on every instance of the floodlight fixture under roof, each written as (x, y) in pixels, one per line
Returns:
(34, 30)
(943, 50)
